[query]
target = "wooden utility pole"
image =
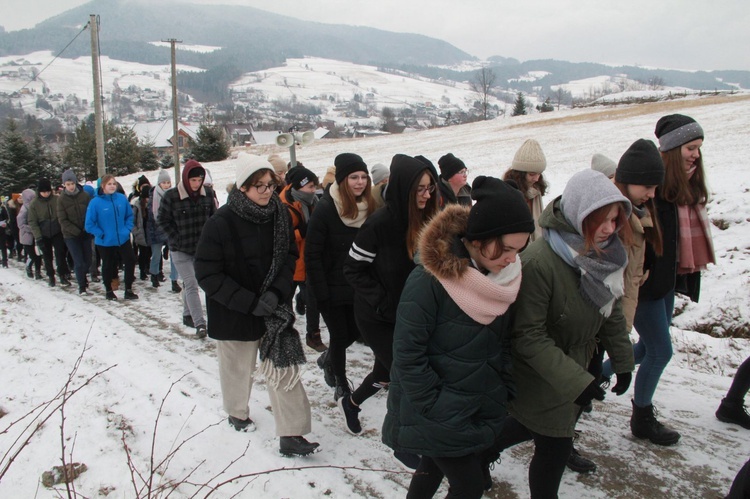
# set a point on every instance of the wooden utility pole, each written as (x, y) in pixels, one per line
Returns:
(101, 167)
(175, 136)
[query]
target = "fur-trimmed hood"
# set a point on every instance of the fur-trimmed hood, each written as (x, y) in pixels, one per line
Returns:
(440, 248)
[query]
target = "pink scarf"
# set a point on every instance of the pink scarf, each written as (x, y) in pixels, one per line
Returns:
(484, 298)
(695, 246)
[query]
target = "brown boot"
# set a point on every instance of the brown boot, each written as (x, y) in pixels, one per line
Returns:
(313, 341)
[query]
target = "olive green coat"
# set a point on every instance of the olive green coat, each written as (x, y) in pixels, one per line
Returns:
(554, 337)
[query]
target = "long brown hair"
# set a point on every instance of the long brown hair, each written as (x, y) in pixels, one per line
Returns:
(519, 178)
(419, 218)
(349, 202)
(594, 219)
(653, 234)
(677, 187)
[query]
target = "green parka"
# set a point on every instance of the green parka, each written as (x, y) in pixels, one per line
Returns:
(450, 377)
(554, 336)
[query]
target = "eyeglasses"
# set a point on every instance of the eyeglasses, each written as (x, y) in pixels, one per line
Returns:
(422, 189)
(465, 171)
(264, 187)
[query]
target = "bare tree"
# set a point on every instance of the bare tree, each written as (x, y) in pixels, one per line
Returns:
(482, 84)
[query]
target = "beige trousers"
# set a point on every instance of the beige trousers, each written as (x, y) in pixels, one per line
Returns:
(291, 408)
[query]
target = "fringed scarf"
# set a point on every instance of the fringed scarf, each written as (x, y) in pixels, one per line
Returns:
(281, 354)
(484, 297)
(696, 246)
(361, 208)
(602, 275)
(534, 201)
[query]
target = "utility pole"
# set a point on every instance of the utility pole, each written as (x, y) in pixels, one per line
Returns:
(101, 167)
(175, 137)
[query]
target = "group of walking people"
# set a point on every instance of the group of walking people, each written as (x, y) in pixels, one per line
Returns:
(488, 314)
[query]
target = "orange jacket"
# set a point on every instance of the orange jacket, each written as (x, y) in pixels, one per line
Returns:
(300, 230)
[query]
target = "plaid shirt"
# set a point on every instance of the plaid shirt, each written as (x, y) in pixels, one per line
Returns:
(182, 219)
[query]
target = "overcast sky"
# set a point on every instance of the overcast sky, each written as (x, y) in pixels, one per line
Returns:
(679, 34)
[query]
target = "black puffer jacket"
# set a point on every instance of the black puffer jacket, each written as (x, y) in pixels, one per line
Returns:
(379, 263)
(231, 280)
(327, 244)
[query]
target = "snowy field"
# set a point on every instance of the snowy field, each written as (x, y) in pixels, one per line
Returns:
(146, 349)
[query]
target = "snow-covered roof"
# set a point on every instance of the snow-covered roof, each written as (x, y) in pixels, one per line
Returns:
(160, 132)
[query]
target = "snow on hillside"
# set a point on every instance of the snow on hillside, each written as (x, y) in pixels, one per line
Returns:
(73, 77)
(201, 49)
(148, 349)
(326, 82)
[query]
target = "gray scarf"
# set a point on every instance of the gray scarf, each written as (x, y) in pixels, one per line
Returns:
(602, 280)
(308, 200)
(281, 353)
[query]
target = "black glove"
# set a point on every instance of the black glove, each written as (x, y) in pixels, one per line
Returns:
(623, 383)
(592, 391)
(266, 304)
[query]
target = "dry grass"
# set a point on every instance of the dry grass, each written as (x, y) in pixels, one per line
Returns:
(626, 111)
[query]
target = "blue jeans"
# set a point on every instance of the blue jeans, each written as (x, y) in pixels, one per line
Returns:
(79, 248)
(654, 348)
(156, 259)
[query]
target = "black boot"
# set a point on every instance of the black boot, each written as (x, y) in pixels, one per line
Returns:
(643, 424)
(579, 464)
(64, 281)
(176, 287)
(297, 446)
(733, 411)
(29, 273)
(51, 281)
(155, 281)
(325, 364)
(129, 295)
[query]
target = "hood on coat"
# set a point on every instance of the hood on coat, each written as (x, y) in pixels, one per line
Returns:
(440, 248)
(28, 196)
(405, 171)
(552, 218)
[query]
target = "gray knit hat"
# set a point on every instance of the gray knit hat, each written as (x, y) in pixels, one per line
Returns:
(163, 177)
(675, 130)
(601, 163)
(69, 176)
(379, 173)
(586, 192)
(529, 158)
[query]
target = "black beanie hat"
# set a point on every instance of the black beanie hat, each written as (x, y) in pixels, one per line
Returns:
(142, 180)
(299, 176)
(44, 185)
(675, 130)
(499, 209)
(348, 163)
(450, 165)
(640, 165)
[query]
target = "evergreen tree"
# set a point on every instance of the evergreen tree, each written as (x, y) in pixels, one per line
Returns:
(166, 161)
(80, 152)
(519, 108)
(17, 166)
(45, 163)
(210, 144)
(121, 150)
(149, 161)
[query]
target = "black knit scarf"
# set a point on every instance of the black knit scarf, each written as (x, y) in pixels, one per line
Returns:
(281, 353)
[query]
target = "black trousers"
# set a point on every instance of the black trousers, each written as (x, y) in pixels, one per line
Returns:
(548, 463)
(54, 247)
(378, 334)
(111, 256)
(465, 480)
(342, 331)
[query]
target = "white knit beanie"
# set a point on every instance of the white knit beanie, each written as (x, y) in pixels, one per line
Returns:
(529, 158)
(247, 164)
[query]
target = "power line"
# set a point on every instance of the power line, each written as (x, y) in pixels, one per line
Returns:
(55, 58)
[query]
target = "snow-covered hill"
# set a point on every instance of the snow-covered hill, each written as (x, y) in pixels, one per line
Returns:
(44, 331)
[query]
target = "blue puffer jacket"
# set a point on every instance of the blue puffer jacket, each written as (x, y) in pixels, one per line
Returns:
(109, 217)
